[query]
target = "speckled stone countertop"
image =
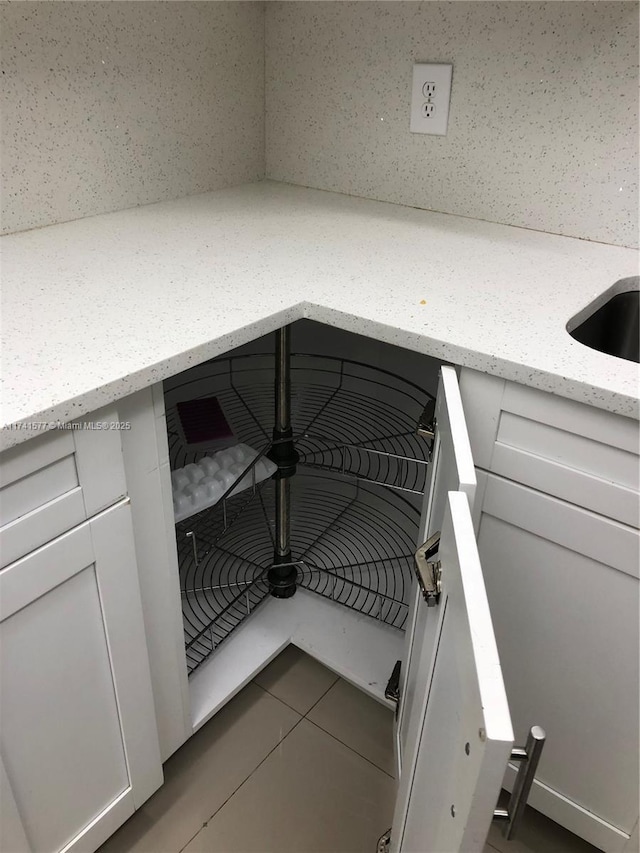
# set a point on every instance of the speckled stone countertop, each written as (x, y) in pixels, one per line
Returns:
(96, 309)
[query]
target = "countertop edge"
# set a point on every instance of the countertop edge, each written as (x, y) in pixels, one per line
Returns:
(336, 248)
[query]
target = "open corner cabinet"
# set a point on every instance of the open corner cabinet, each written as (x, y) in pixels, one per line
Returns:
(369, 457)
(341, 523)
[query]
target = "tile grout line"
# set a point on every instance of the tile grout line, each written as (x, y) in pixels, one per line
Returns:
(318, 726)
(330, 687)
(273, 695)
(235, 791)
(306, 717)
(355, 751)
(302, 717)
(271, 751)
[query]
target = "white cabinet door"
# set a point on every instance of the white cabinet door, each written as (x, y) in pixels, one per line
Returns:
(12, 835)
(571, 657)
(451, 469)
(78, 739)
(454, 732)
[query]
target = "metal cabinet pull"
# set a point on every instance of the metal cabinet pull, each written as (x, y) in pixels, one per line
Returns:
(529, 756)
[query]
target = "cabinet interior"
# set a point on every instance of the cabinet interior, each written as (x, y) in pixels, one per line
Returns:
(355, 497)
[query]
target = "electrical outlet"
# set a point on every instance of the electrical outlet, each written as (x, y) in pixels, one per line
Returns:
(430, 94)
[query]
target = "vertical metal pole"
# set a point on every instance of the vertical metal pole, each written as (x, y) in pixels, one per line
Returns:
(283, 509)
(282, 429)
(283, 381)
(282, 576)
(194, 545)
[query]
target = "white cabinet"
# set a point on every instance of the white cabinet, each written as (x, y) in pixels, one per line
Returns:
(454, 727)
(146, 461)
(567, 627)
(456, 473)
(57, 480)
(443, 804)
(522, 543)
(585, 456)
(557, 519)
(78, 741)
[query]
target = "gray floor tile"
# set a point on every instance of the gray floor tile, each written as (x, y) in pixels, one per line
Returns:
(296, 679)
(205, 772)
(311, 795)
(359, 722)
(251, 781)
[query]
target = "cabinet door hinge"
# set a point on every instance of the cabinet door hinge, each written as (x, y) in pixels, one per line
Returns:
(429, 571)
(427, 423)
(392, 690)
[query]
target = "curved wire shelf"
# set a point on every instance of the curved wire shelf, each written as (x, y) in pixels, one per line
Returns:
(346, 416)
(352, 541)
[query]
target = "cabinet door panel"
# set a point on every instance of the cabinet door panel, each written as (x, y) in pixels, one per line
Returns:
(451, 469)
(449, 787)
(50, 731)
(78, 731)
(569, 651)
(453, 688)
(567, 525)
(12, 835)
(580, 454)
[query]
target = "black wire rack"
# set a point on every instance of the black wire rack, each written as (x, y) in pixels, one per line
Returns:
(354, 502)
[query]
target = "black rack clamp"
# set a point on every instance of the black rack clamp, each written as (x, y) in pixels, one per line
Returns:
(284, 454)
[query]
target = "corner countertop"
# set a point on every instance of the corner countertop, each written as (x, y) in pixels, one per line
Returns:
(96, 309)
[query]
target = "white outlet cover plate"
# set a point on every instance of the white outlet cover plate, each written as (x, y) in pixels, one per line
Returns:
(440, 75)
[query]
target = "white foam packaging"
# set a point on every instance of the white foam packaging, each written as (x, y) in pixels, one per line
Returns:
(200, 485)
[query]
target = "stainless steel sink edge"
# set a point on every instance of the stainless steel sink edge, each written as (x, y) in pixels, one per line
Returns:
(610, 324)
(623, 285)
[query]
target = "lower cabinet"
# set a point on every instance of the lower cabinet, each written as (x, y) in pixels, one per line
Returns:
(79, 744)
(456, 711)
(563, 587)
